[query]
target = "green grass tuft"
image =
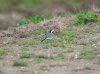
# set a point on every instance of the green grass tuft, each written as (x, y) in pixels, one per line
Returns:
(26, 55)
(3, 52)
(34, 19)
(22, 22)
(90, 31)
(38, 19)
(85, 43)
(42, 56)
(84, 17)
(19, 63)
(36, 56)
(88, 68)
(88, 54)
(24, 49)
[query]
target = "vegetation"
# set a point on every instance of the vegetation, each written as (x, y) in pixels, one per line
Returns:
(81, 18)
(3, 52)
(37, 56)
(70, 50)
(41, 56)
(88, 68)
(33, 19)
(19, 63)
(90, 31)
(26, 55)
(24, 49)
(37, 19)
(66, 37)
(63, 47)
(88, 54)
(32, 5)
(73, 46)
(63, 14)
(84, 17)
(60, 56)
(86, 42)
(22, 22)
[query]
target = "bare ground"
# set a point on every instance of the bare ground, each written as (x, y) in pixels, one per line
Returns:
(69, 65)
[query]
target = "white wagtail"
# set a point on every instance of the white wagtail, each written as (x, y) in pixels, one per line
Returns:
(49, 35)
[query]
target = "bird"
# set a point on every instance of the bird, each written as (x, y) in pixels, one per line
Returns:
(49, 35)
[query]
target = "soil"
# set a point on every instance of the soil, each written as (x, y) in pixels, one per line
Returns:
(69, 65)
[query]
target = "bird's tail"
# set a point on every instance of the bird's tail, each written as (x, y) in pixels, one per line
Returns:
(43, 40)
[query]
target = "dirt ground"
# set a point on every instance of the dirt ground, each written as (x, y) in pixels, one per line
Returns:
(69, 65)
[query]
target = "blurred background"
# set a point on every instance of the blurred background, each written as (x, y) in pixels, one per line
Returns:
(13, 10)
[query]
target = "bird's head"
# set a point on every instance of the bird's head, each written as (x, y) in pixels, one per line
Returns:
(51, 31)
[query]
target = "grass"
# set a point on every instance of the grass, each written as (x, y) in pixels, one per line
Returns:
(24, 49)
(32, 42)
(41, 56)
(90, 31)
(33, 19)
(85, 43)
(38, 19)
(59, 56)
(70, 50)
(46, 46)
(22, 22)
(88, 54)
(32, 5)
(62, 14)
(4, 52)
(36, 56)
(66, 37)
(84, 17)
(38, 33)
(80, 18)
(19, 63)
(53, 43)
(88, 68)
(26, 55)
(18, 5)
(63, 39)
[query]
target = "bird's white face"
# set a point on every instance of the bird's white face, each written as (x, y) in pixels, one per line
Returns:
(52, 31)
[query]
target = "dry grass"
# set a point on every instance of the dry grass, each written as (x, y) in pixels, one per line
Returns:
(74, 50)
